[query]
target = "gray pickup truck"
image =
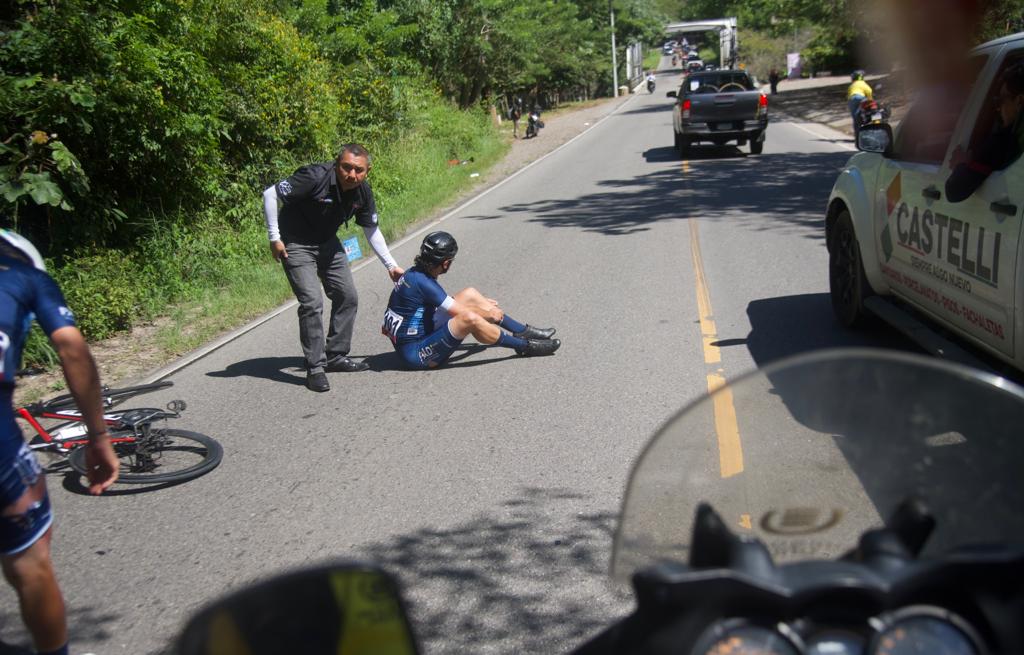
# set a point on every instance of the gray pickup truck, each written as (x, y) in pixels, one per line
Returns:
(718, 107)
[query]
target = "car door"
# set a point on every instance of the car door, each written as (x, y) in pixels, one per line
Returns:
(982, 232)
(912, 230)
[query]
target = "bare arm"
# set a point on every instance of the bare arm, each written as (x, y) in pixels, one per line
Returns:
(84, 384)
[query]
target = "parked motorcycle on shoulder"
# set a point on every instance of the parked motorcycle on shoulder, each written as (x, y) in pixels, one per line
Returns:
(869, 503)
(533, 123)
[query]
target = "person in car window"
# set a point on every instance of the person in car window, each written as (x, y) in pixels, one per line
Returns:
(1000, 148)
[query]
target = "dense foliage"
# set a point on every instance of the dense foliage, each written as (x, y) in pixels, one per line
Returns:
(135, 135)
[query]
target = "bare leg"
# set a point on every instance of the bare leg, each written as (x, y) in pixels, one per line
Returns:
(475, 301)
(469, 322)
(31, 574)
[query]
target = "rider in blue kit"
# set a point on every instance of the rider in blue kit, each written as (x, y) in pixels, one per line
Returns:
(25, 517)
(426, 325)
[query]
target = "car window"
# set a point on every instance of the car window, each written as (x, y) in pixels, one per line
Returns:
(712, 83)
(986, 121)
(926, 130)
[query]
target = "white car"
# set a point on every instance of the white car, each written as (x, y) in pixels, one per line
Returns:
(892, 232)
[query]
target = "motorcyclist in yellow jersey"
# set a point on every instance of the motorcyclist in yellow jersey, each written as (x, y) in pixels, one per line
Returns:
(857, 92)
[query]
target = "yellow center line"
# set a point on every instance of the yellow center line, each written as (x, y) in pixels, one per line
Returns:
(730, 449)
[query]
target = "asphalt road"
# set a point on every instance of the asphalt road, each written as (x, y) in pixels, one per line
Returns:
(489, 487)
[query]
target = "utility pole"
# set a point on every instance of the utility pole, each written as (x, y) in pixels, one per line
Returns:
(615, 61)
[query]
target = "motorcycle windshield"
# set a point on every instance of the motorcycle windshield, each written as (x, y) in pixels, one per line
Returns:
(807, 454)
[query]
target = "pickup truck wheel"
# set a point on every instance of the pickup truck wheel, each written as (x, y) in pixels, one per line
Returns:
(848, 286)
(756, 147)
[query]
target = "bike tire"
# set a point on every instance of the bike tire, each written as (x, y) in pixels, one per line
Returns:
(183, 445)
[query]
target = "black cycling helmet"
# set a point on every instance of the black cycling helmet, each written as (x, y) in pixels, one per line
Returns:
(857, 75)
(438, 247)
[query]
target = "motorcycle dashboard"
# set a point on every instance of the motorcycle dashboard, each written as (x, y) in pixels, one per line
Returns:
(966, 605)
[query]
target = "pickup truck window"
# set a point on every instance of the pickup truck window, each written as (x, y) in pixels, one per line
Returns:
(925, 132)
(986, 121)
(725, 82)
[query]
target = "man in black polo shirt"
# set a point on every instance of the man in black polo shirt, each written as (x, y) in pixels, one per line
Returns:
(314, 202)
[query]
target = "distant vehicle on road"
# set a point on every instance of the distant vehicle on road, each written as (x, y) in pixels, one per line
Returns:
(719, 107)
(692, 55)
(917, 226)
(694, 66)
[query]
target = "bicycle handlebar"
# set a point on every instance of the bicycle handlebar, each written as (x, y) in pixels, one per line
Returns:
(110, 397)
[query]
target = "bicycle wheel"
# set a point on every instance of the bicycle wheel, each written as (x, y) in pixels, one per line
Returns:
(163, 455)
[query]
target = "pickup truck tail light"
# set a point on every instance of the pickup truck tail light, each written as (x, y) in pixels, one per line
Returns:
(762, 104)
(686, 109)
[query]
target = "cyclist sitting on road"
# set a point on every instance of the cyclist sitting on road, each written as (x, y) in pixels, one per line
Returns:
(420, 333)
(25, 516)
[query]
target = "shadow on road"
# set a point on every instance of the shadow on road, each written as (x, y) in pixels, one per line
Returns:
(528, 577)
(777, 191)
(650, 109)
(277, 369)
(390, 361)
(792, 325)
(84, 624)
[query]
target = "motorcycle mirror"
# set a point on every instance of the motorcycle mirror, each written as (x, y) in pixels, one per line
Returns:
(335, 609)
(875, 138)
(671, 94)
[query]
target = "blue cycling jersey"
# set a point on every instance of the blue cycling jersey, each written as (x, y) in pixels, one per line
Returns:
(410, 313)
(24, 292)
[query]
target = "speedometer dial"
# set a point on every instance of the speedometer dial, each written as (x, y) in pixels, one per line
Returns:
(741, 638)
(925, 631)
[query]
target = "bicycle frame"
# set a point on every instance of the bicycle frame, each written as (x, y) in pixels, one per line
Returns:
(73, 433)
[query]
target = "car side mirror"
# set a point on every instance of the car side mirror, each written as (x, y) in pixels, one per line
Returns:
(671, 94)
(875, 138)
(341, 608)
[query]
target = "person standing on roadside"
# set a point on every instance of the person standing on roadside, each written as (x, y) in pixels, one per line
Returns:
(314, 202)
(26, 518)
(515, 112)
(773, 79)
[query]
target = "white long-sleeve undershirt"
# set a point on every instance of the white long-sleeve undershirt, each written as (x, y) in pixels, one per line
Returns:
(270, 212)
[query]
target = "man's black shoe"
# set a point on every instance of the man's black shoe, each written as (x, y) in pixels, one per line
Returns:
(539, 347)
(317, 382)
(345, 365)
(535, 333)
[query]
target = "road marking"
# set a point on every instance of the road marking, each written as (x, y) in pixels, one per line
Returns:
(730, 448)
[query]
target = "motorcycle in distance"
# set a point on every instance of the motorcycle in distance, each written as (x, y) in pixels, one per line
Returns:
(876, 509)
(533, 122)
(870, 112)
(650, 84)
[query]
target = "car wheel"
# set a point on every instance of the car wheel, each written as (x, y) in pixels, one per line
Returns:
(756, 147)
(848, 286)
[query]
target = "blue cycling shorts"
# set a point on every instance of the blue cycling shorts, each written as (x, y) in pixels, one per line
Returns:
(20, 531)
(431, 351)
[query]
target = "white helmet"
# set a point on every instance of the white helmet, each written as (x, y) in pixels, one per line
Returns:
(19, 247)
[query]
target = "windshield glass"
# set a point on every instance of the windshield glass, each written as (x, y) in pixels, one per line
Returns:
(718, 81)
(826, 446)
